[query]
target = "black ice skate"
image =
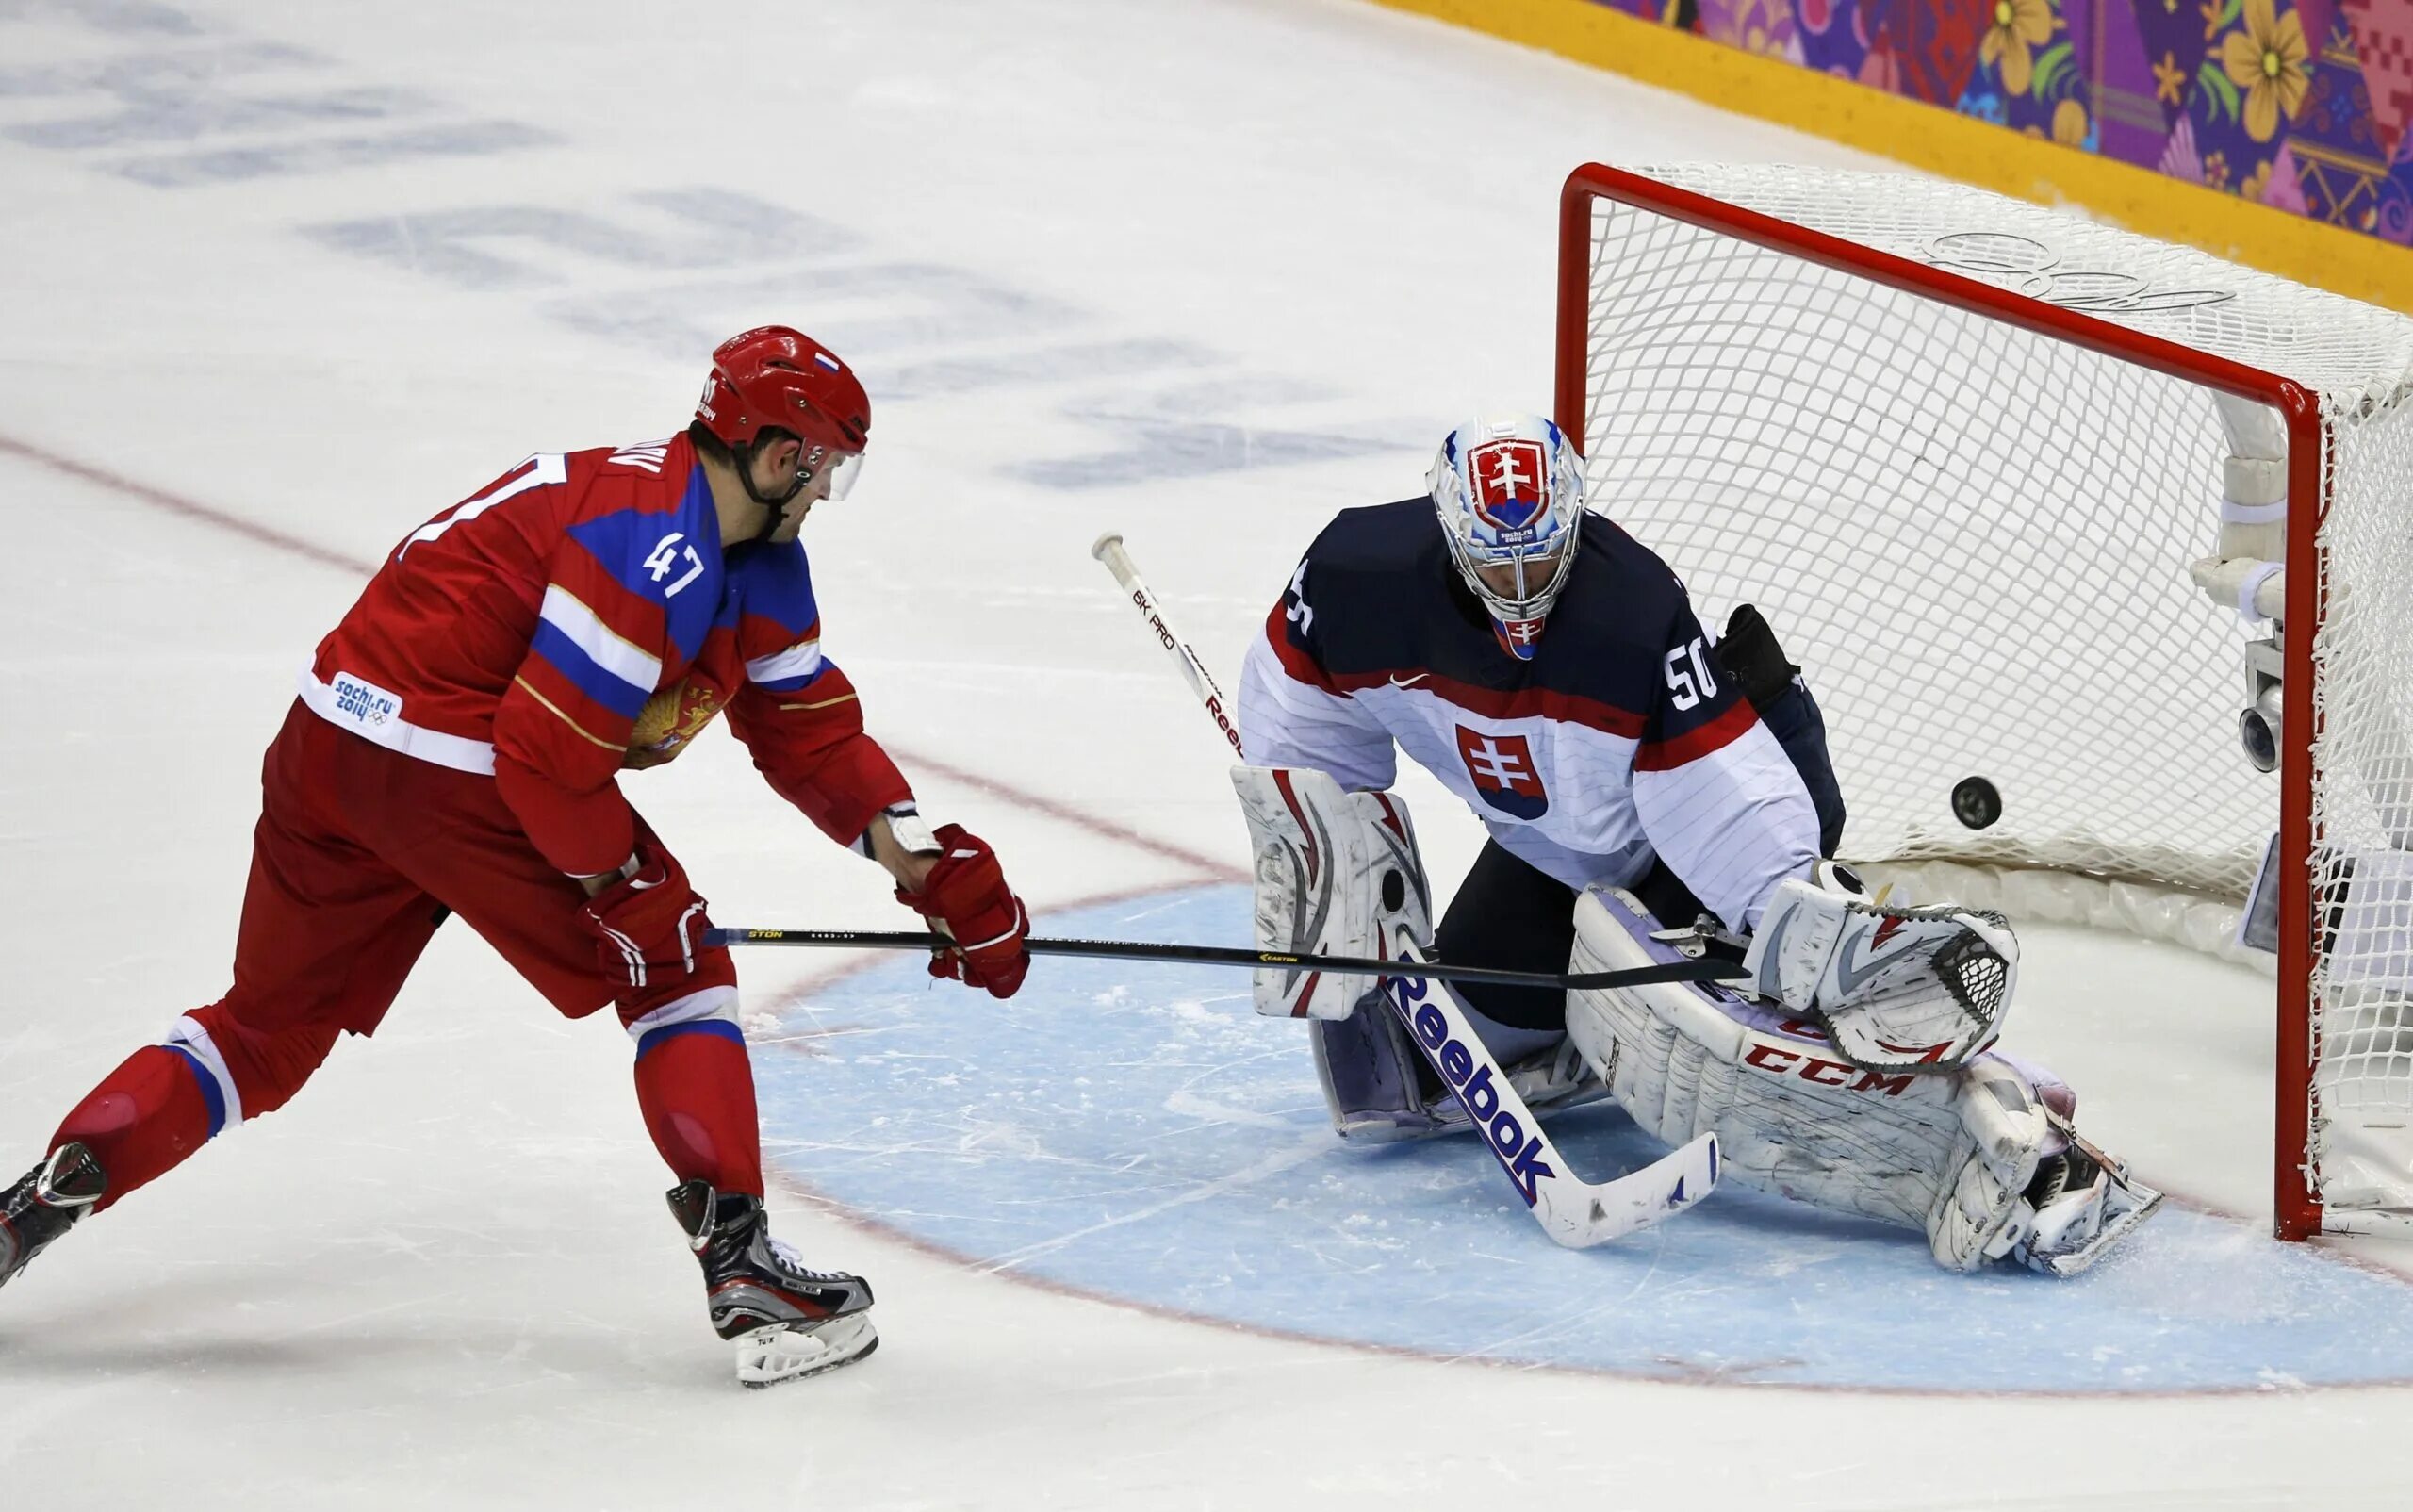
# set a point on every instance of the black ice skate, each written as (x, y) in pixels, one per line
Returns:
(788, 1322)
(46, 1204)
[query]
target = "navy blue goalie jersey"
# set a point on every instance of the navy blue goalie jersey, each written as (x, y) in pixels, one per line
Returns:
(1617, 742)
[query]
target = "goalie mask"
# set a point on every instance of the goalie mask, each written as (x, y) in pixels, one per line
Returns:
(1510, 494)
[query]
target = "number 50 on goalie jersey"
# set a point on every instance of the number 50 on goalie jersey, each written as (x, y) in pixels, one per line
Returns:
(1616, 743)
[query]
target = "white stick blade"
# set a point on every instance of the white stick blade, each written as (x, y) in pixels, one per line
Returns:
(1579, 1215)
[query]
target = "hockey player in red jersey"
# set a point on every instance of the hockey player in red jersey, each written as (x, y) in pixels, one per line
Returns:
(1648, 793)
(455, 749)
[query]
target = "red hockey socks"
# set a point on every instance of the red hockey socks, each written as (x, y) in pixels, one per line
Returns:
(167, 1100)
(696, 1087)
(143, 1119)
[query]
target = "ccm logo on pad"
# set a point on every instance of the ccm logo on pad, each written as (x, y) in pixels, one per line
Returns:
(1819, 1070)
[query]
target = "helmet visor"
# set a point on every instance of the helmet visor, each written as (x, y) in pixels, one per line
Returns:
(843, 473)
(841, 467)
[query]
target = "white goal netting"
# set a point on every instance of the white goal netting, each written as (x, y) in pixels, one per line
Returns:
(1975, 540)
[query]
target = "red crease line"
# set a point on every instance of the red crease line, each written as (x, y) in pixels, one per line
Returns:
(188, 508)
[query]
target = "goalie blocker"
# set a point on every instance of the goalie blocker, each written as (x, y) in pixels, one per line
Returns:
(1339, 874)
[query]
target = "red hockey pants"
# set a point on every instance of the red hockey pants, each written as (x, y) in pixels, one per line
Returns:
(360, 853)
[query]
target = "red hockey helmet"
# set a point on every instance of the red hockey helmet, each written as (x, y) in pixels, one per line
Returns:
(773, 376)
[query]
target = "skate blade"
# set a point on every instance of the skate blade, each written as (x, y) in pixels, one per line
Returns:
(781, 1351)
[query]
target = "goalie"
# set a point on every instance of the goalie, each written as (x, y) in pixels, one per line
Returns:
(1648, 795)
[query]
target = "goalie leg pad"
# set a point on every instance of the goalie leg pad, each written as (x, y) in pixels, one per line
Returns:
(1369, 1072)
(1914, 989)
(1982, 1160)
(1336, 874)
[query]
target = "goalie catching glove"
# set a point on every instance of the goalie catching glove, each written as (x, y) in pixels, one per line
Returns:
(1895, 989)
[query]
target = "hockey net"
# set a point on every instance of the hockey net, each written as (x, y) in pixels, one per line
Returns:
(1962, 451)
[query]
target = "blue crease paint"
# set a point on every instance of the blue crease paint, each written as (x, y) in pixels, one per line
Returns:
(1136, 1132)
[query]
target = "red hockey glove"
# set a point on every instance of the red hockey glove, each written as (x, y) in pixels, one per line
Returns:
(965, 896)
(649, 928)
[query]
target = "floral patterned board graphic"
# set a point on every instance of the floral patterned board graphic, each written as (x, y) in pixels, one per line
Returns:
(2298, 104)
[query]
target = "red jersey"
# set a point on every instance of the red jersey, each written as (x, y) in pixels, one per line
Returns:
(577, 617)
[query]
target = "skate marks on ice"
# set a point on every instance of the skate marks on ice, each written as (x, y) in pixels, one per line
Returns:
(668, 271)
(171, 99)
(1137, 1133)
(175, 100)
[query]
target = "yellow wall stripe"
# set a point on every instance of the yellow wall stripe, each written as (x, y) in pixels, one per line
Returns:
(1939, 141)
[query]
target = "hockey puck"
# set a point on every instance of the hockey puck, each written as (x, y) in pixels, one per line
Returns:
(1975, 802)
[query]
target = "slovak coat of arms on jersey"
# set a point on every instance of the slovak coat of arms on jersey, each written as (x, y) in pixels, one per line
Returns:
(1503, 772)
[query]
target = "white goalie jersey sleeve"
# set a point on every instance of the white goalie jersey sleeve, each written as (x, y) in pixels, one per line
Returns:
(1721, 802)
(1284, 722)
(1734, 822)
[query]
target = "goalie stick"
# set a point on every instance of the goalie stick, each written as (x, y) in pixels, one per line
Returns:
(1108, 549)
(1706, 969)
(1575, 1212)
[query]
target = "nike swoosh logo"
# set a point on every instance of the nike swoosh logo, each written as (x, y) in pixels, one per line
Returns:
(1409, 681)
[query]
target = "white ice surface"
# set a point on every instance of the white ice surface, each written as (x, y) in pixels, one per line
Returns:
(444, 1276)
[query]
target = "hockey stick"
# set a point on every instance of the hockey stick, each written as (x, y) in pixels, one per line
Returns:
(1702, 970)
(1108, 549)
(1575, 1212)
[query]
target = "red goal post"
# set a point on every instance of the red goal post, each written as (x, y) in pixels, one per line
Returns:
(1809, 365)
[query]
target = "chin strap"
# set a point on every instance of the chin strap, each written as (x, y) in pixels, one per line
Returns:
(744, 454)
(776, 505)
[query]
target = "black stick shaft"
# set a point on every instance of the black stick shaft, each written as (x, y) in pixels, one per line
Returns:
(1705, 969)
